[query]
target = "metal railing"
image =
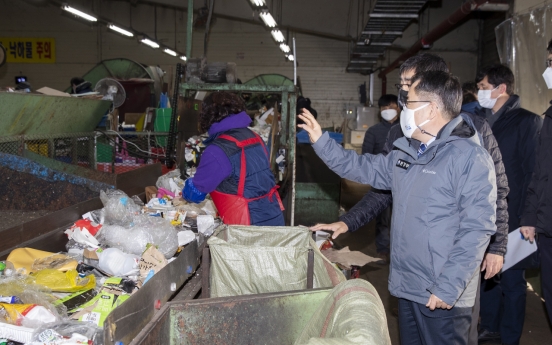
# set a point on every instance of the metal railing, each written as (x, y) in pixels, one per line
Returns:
(111, 152)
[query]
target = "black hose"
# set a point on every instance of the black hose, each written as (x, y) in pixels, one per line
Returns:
(207, 27)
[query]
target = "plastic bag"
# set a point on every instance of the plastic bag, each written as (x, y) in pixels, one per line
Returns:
(137, 200)
(119, 209)
(28, 315)
(56, 261)
(64, 281)
(171, 181)
(208, 206)
(96, 216)
(192, 211)
(206, 225)
(25, 289)
(59, 332)
(146, 229)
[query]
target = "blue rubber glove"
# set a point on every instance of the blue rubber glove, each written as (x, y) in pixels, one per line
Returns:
(191, 194)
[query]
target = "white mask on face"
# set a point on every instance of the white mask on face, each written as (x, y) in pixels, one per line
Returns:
(485, 100)
(388, 114)
(408, 123)
(547, 75)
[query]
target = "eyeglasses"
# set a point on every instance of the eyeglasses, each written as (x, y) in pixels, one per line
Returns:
(400, 86)
(548, 62)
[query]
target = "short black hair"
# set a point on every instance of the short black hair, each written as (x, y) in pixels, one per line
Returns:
(469, 92)
(442, 88)
(498, 74)
(386, 100)
(469, 87)
(76, 81)
(217, 106)
(424, 62)
(549, 48)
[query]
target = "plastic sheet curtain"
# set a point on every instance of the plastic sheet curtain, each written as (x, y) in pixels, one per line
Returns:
(521, 43)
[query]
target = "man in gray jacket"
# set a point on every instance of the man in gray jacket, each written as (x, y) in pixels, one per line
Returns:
(443, 184)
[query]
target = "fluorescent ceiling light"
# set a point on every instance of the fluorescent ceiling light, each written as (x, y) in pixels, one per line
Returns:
(170, 52)
(290, 57)
(258, 3)
(149, 42)
(378, 32)
(78, 13)
(182, 57)
(267, 19)
(394, 15)
(120, 30)
(493, 7)
(284, 47)
(278, 35)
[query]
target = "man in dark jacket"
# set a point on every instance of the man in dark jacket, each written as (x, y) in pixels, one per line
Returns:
(516, 131)
(374, 203)
(538, 205)
(374, 141)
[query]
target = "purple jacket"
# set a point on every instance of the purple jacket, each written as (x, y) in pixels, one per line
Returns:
(215, 166)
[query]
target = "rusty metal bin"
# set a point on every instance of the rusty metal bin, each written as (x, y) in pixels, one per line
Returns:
(350, 314)
(274, 318)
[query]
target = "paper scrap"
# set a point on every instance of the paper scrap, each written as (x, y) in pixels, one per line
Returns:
(347, 258)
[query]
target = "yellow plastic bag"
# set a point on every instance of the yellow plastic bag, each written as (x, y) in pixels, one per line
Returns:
(26, 257)
(64, 281)
(14, 313)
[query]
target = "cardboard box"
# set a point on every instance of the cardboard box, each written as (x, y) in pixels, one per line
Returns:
(357, 137)
(52, 92)
(151, 192)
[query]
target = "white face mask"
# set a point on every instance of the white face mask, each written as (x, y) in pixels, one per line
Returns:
(388, 114)
(547, 75)
(485, 100)
(408, 123)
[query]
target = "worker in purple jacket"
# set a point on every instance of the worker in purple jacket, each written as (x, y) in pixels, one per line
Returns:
(234, 168)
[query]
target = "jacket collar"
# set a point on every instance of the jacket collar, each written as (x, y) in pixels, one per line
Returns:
(548, 111)
(512, 103)
(457, 128)
(240, 120)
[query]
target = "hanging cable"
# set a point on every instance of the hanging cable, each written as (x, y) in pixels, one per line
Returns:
(207, 27)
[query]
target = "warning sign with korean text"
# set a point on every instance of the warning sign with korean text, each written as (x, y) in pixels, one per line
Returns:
(29, 50)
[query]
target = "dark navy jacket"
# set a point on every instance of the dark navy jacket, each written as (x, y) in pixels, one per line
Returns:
(516, 131)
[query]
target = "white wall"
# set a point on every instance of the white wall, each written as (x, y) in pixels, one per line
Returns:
(322, 61)
(521, 6)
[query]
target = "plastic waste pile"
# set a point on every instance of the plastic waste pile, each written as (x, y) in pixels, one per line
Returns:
(192, 153)
(65, 298)
(263, 124)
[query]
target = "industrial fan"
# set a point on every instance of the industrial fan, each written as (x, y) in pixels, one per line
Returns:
(111, 90)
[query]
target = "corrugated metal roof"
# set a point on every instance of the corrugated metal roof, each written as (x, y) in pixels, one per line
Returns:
(387, 21)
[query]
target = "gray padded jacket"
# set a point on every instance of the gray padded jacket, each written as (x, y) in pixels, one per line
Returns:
(374, 202)
(444, 209)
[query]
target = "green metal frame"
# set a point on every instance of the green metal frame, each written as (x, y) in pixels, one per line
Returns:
(287, 127)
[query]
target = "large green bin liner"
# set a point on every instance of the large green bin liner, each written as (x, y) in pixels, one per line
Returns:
(262, 259)
(352, 314)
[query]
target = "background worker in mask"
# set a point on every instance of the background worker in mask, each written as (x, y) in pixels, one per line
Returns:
(537, 217)
(516, 131)
(374, 141)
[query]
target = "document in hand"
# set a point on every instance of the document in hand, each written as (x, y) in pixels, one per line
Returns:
(518, 249)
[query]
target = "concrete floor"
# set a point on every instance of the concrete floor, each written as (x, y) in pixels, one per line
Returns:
(536, 329)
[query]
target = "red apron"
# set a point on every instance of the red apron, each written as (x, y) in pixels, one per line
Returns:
(234, 209)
